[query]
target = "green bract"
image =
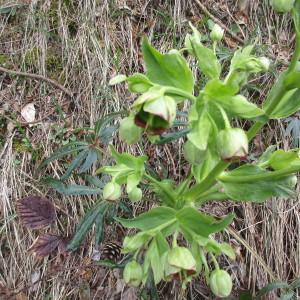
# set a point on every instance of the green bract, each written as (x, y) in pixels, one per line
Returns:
(220, 283)
(181, 258)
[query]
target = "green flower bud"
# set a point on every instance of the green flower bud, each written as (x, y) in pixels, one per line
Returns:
(265, 63)
(135, 195)
(182, 258)
(232, 144)
(220, 283)
(192, 154)
(133, 273)
(129, 132)
(112, 191)
(217, 33)
(282, 6)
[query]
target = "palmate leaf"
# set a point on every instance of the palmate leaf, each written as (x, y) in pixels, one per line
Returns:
(169, 137)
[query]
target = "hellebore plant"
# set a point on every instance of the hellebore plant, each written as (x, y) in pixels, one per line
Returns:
(212, 145)
(175, 240)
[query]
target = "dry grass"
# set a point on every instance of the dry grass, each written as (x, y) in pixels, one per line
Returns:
(82, 46)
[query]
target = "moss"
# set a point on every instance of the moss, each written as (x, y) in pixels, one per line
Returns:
(54, 63)
(3, 59)
(31, 57)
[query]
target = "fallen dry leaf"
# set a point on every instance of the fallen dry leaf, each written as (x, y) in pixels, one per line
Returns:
(28, 112)
(45, 244)
(36, 212)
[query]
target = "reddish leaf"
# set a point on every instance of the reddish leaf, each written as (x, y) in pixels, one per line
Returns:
(47, 243)
(36, 212)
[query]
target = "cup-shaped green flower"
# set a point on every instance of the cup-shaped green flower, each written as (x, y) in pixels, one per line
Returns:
(155, 111)
(217, 33)
(220, 283)
(112, 191)
(232, 144)
(135, 195)
(282, 6)
(182, 258)
(257, 64)
(133, 273)
(129, 132)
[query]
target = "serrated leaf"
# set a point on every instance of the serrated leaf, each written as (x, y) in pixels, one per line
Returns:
(270, 287)
(99, 229)
(104, 121)
(72, 189)
(65, 150)
(91, 157)
(76, 162)
(86, 224)
(169, 137)
(36, 212)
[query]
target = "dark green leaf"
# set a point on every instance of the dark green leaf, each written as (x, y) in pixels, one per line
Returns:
(169, 137)
(90, 159)
(86, 223)
(94, 180)
(107, 133)
(152, 219)
(104, 121)
(167, 69)
(99, 228)
(76, 162)
(270, 287)
(73, 189)
(65, 150)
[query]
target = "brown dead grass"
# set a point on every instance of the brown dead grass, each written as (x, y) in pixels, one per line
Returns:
(88, 43)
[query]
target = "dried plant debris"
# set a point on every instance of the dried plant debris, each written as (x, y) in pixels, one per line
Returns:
(47, 243)
(36, 212)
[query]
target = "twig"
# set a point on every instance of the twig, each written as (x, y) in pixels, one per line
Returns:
(216, 20)
(38, 77)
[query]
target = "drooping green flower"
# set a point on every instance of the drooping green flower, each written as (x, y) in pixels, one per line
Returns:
(220, 283)
(155, 111)
(232, 144)
(182, 258)
(133, 273)
(112, 191)
(129, 132)
(217, 33)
